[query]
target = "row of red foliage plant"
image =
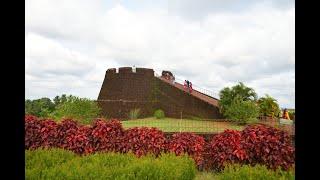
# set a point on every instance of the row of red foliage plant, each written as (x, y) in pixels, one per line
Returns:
(188, 143)
(224, 148)
(256, 144)
(269, 146)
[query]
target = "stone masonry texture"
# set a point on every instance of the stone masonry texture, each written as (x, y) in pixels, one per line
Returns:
(126, 90)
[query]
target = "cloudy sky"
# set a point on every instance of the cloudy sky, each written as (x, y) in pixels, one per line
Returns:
(213, 43)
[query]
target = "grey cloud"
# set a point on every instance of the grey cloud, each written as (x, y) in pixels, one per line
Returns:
(213, 52)
(198, 9)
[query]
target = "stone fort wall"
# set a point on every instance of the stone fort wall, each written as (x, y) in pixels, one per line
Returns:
(125, 90)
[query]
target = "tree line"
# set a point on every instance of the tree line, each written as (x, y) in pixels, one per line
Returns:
(238, 103)
(82, 109)
(241, 104)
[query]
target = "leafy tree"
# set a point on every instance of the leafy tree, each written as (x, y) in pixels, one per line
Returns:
(241, 111)
(81, 109)
(227, 95)
(39, 107)
(56, 100)
(60, 100)
(268, 106)
(28, 107)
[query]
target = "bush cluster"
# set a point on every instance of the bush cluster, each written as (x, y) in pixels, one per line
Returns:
(159, 114)
(144, 140)
(256, 144)
(242, 112)
(107, 135)
(63, 164)
(269, 146)
(224, 148)
(187, 143)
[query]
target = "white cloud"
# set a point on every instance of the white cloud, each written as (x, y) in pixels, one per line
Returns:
(80, 40)
(48, 57)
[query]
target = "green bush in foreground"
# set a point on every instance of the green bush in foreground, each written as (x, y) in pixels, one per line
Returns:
(159, 114)
(248, 172)
(62, 164)
(41, 160)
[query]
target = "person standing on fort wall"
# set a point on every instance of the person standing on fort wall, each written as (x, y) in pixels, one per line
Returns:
(185, 84)
(188, 85)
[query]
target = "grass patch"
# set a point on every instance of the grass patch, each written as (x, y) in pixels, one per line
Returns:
(235, 171)
(247, 172)
(134, 114)
(182, 125)
(204, 175)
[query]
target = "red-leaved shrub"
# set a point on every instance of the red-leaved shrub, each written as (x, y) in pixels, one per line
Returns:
(80, 141)
(66, 128)
(144, 140)
(269, 146)
(256, 144)
(32, 132)
(188, 143)
(107, 135)
(224, 148)
(48, 133)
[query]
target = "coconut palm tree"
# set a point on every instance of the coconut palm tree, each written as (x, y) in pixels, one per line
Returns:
(268, 106)
(227, 95)
(245, 92)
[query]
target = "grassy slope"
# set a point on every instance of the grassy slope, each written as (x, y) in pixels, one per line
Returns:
(184, 125)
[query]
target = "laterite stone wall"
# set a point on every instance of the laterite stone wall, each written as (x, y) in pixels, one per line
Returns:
(125, 90)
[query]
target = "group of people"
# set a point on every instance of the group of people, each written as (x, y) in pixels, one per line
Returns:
(188, 85)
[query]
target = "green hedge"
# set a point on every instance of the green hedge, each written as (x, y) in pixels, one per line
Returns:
(62, 164)
(159, 114)
(248, 172)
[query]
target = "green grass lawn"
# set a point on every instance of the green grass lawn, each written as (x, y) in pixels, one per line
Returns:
(182, 125)
(205, 175)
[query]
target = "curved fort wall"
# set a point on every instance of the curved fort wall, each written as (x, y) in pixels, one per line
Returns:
(125, 90)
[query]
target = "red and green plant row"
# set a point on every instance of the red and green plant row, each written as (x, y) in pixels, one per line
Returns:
(256, 144)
